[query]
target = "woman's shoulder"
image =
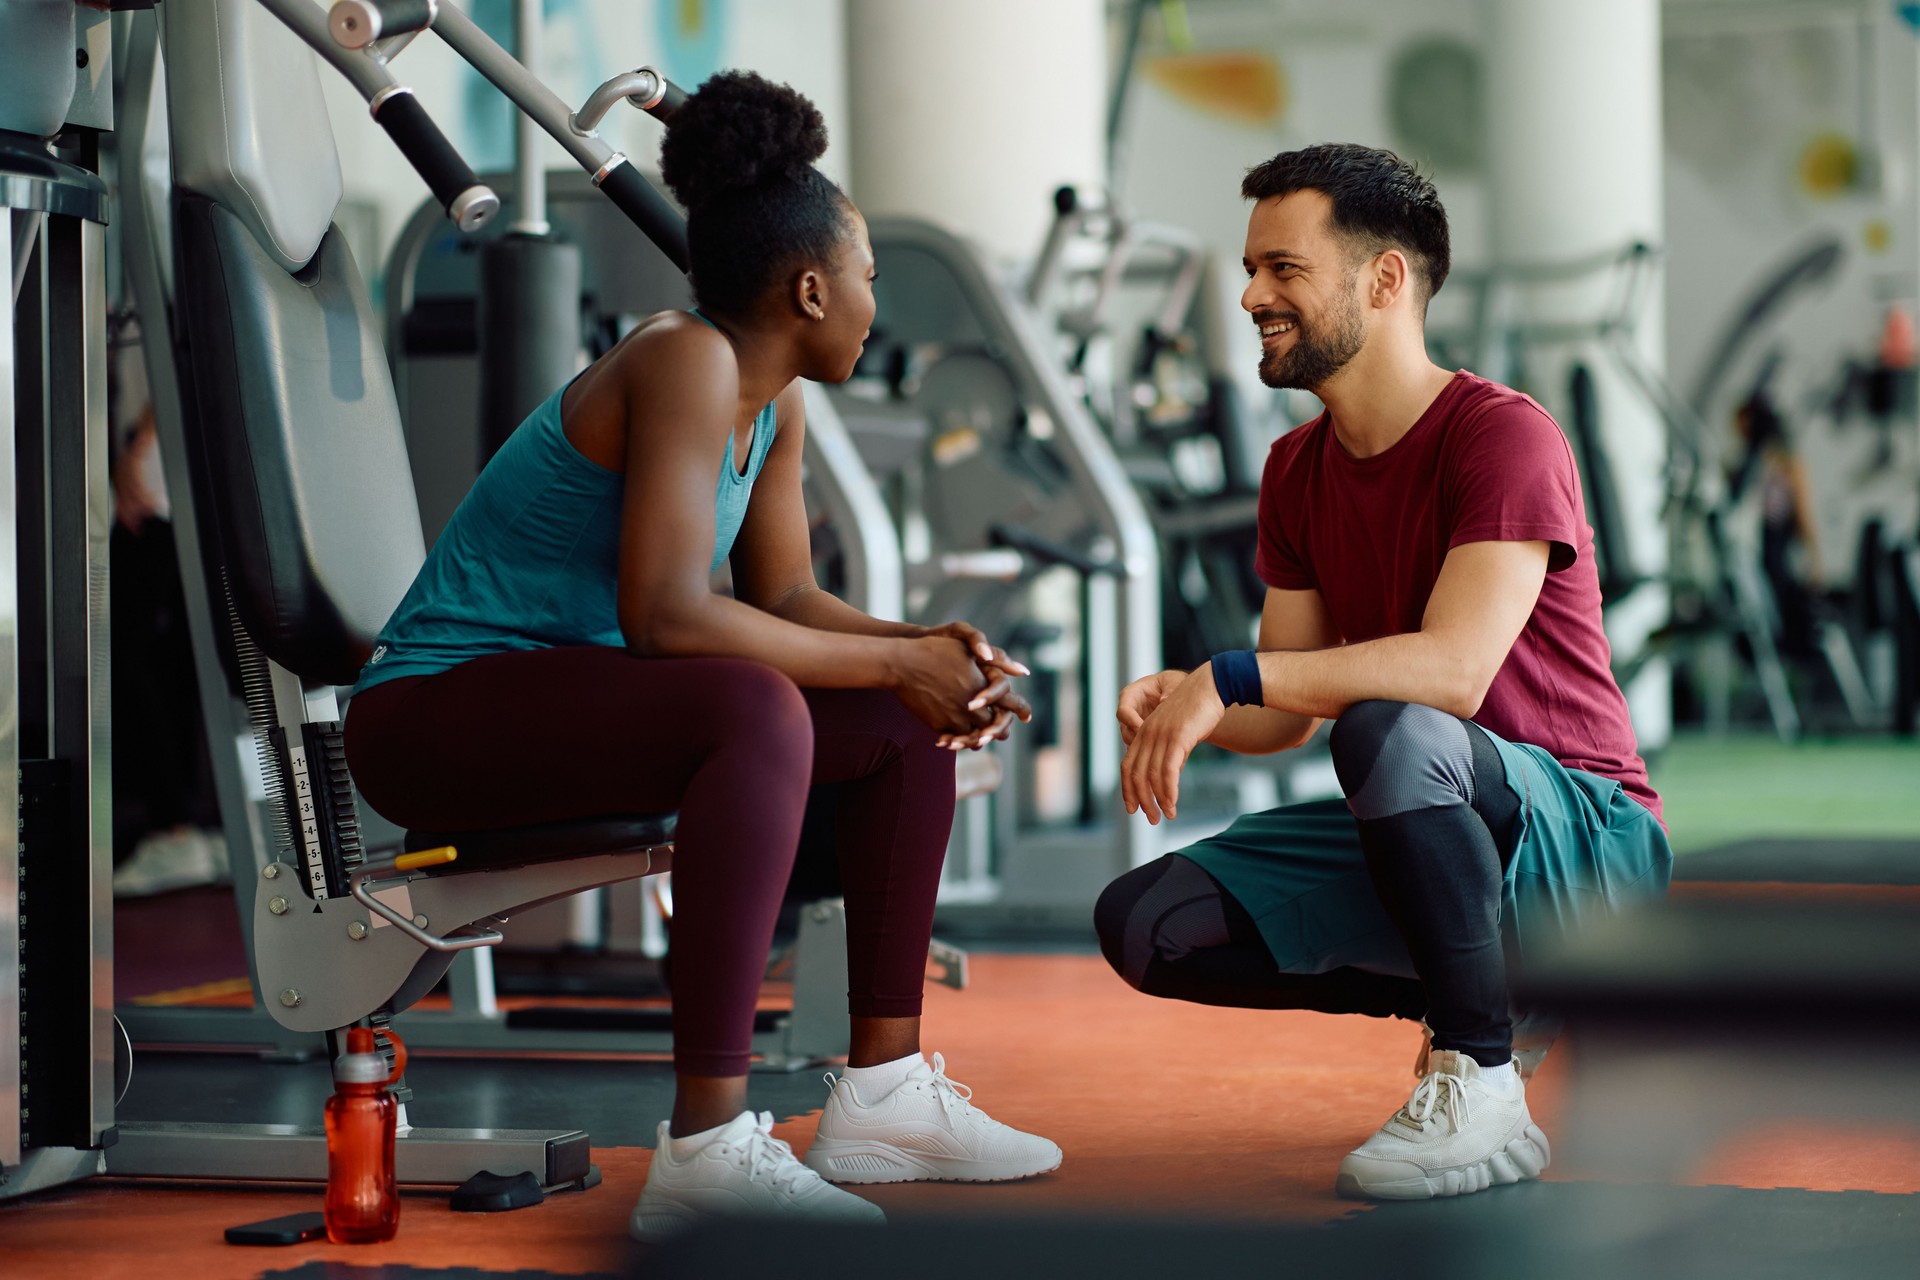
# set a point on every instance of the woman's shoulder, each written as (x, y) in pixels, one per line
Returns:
(670, 343)
(671, 357)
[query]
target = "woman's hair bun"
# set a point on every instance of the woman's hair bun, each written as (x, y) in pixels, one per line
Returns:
(739, 131)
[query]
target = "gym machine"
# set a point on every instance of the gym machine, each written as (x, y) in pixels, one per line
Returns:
(525, 327)
(62, 1058)
(277, 419)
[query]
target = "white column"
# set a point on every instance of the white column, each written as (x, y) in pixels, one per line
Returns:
(1575, 151)
(971, 115)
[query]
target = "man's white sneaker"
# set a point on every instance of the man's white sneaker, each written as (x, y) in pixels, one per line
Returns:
(1458, 1133)
(741, 1171)
(925, 1130)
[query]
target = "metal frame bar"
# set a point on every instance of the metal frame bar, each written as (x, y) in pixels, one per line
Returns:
(79, 516)
(368, 74)
(290, 1153)
(11, 1065)
(524, 89)
(530, 177)
(230, 737)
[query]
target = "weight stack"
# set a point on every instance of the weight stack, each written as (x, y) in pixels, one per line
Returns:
(56, 964)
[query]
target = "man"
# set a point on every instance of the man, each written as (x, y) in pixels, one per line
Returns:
(1432, 591)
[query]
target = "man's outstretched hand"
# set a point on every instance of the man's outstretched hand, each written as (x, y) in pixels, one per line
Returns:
(1162, 719)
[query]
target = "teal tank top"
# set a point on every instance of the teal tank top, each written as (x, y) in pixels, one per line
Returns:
(531, 558)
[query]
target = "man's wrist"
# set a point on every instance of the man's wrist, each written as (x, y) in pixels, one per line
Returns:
(1236, 678)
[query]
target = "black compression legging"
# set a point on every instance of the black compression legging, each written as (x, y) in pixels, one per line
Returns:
(1436, 823)
(519, 739)
(1172, 930)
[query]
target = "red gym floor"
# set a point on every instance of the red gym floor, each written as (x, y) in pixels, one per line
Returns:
(1166, 1111)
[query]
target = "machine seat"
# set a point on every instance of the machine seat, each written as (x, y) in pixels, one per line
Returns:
(491, 850)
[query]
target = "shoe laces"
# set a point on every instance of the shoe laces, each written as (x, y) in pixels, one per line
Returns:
(762, 1155)
(955, 1098)
(1441, 1092)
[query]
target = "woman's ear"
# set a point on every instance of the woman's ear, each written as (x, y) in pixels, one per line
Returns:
(810, 294)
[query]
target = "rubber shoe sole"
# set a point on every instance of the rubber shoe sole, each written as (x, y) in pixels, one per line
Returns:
(651, 1226)
(1524, 1157)
(842, 1161)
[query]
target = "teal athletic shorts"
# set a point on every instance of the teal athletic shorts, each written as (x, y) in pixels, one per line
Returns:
(1586, 849)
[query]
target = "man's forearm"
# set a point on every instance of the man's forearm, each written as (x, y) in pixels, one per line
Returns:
(1260, 731)
(1414, 667)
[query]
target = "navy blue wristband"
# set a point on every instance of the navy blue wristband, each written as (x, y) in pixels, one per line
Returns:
(1236, 676)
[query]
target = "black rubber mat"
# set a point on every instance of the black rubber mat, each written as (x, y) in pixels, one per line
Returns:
(617, 1102)
(1569, 1231)
(1803, 860)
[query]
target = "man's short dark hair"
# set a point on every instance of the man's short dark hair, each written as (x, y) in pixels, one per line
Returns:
(1379, 200)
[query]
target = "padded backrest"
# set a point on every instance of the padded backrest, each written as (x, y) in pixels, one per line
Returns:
(36, 65)
(301, 460)
(249, 123)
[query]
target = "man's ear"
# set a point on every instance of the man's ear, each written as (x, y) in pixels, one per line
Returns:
(1392, 277)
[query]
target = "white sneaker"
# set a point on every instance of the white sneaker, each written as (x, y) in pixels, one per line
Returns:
(742, 1171)
(1457, 1134)
(163, 861)
(926, 1130)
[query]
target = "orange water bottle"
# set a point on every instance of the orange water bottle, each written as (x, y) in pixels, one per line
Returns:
(363, 1198)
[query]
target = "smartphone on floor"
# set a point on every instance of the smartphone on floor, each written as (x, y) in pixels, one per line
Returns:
(295, 1228)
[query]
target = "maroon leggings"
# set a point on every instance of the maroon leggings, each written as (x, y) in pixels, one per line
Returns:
(516, 739)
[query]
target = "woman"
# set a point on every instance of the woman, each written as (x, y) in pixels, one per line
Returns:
(562, 654)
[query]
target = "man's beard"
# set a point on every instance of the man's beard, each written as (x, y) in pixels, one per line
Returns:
(1313, 359)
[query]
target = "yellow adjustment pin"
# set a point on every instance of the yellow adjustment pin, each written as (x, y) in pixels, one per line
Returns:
(426, 858)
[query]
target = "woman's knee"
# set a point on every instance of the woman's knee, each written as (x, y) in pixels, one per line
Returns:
(750, 702)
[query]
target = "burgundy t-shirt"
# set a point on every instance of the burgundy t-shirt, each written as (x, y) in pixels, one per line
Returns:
(1483, 464)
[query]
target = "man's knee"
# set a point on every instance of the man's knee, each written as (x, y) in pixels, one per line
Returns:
(1162, 911)
(1392, 757)
(1112, 912)
(1359, 734)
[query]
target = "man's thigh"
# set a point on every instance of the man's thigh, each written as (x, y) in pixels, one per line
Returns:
(1299, 872)
(1584, 849)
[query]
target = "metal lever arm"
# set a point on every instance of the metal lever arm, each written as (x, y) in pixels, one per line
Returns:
(645, 88)
(463, 941)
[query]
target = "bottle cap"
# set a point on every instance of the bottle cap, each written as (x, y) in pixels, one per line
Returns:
(360, 1064)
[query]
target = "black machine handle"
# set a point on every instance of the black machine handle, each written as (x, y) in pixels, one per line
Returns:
(468, 201)
(646, 208)
(358, 23)
(1047, 551)
(668, 101)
